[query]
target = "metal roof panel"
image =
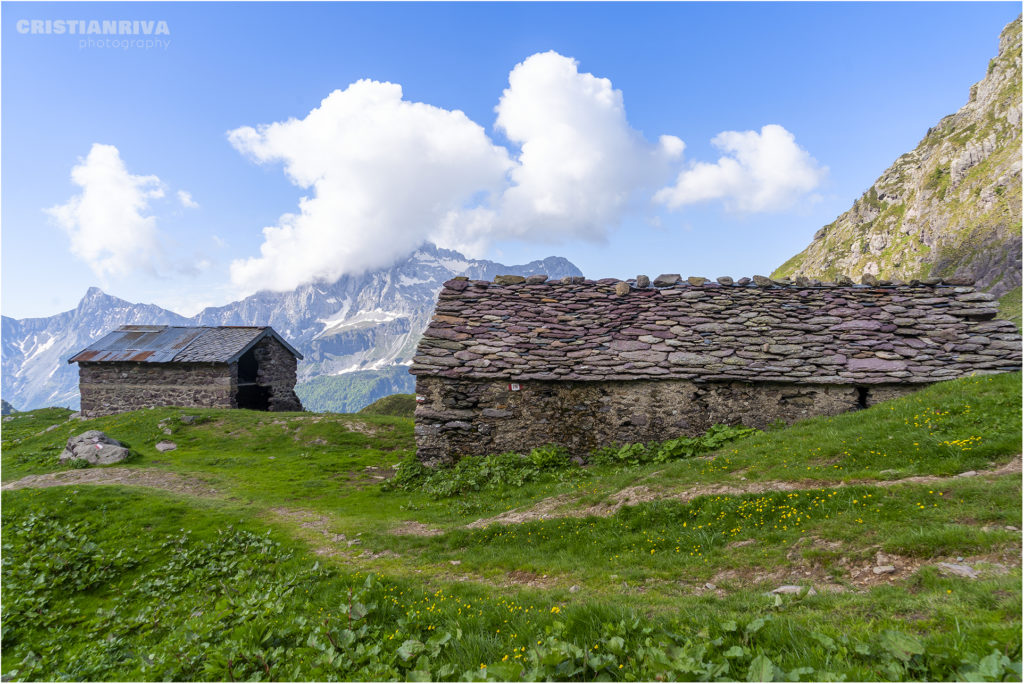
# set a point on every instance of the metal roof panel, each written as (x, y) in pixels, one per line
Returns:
(164, 344)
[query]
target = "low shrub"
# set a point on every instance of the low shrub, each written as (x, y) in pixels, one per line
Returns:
(477, 473)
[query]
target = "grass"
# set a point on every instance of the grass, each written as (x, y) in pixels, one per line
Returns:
(1010, 306)
(303, 567)
(401, 405)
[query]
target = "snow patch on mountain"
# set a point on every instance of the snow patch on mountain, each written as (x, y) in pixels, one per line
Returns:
(377, 325)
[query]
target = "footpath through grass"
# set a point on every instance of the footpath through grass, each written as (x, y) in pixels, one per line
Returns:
(306, 568)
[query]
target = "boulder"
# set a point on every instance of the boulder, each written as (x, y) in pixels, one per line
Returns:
(957, 570)
(166, 445)
(793, 589)
(94, 447)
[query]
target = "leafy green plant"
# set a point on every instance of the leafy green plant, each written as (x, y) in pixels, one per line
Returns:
(678, 448)
(478, 473)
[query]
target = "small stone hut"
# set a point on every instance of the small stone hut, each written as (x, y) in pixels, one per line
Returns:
(517, 363)
(142, 366)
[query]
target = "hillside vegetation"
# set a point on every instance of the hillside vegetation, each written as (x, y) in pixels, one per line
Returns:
(950, 207)
(350, 392)
(402, 405)
(279, 546)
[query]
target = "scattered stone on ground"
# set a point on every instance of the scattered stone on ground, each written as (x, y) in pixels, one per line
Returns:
(574, 588)
(417, 529)
(969, 473)
(883, 569)
(455, 562)
(166, 445)
(361, 427)
(530, 579)
(95, 447)
(546, 508)
(187, 419)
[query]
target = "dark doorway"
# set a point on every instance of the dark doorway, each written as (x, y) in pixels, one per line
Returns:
(250, 394)
(248, 368)
(253, 396)
(862, 397)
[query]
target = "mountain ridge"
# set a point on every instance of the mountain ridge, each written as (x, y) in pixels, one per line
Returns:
(365, 322)
(951, 207)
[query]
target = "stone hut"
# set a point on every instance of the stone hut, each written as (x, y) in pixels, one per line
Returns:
(142, 366)
(517, 363)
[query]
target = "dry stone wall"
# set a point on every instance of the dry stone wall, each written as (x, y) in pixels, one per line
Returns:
(277, 371)
(108, 388)
(594, 360)
(460, 417)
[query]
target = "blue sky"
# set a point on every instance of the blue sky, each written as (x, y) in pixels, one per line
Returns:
(562, 163)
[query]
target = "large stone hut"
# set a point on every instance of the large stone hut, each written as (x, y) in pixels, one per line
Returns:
(142, 366)
(517, 363)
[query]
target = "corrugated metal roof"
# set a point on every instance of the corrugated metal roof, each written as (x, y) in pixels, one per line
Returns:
(164, 344)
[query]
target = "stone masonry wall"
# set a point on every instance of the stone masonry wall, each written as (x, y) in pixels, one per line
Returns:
(474, 417)
(610, 361)
(108, 388)
(277, 370)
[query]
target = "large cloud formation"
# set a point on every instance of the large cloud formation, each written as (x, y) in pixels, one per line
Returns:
(109, 222)
(764, 171)
(385, 174)
(382, 171)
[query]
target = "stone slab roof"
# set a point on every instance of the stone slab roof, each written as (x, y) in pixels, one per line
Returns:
(177, 344)
(699, 330)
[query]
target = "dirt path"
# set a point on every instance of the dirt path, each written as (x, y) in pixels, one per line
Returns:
(131, 477)
(631, 496)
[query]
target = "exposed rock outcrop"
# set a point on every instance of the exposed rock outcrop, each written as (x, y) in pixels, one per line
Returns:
(949, 208)
(94, 447)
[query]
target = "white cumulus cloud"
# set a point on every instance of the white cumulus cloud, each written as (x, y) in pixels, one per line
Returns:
(383, 174)
(386, 174)
(109, 221)
(185, 197)
(580, 165)
(764, 171)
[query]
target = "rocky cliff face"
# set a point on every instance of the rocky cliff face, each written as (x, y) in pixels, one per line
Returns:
(949, 208)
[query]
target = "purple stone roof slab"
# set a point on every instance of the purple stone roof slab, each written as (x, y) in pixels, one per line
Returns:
(582, 330)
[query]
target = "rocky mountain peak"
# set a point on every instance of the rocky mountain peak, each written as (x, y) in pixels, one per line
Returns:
(363, 322)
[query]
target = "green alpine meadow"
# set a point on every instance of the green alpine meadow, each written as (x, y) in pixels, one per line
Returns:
(877, 545)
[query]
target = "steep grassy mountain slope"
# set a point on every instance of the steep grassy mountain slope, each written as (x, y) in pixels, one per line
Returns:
(539, 571)
(951, 207)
